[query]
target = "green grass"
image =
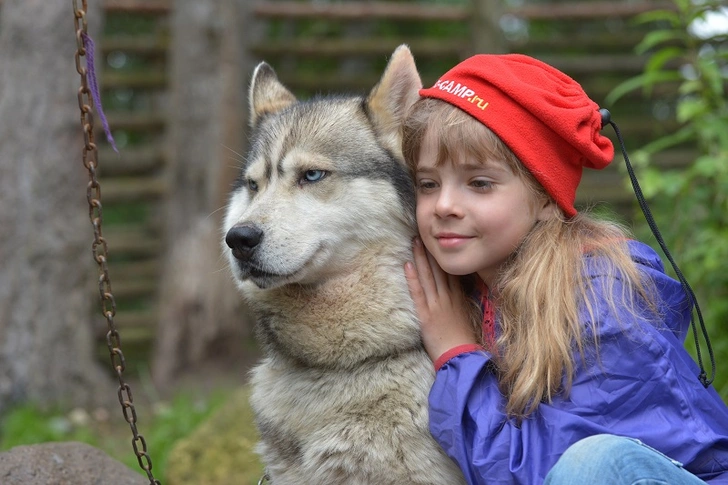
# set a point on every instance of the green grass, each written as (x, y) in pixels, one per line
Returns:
(164, 425)
(28, 425)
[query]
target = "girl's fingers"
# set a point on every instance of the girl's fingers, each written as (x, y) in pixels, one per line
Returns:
(415, 287)
(453, 283)
(424, 271)
(439, 276)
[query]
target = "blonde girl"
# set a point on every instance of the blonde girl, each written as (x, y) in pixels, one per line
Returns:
(574, 371)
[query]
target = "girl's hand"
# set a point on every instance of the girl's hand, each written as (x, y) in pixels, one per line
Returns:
(440, 303)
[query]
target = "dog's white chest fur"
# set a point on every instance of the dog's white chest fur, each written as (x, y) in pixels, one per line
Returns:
(349, 427)
(341, 397)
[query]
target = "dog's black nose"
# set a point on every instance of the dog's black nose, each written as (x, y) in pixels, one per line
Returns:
(243, 240)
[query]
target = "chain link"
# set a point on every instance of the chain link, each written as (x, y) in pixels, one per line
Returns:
(99, 247)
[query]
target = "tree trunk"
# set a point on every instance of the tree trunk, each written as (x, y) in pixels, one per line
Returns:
(487, 37)
(46, 278)
(202, 320)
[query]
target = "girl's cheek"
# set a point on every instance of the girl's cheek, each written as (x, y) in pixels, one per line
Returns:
(420, 213)
(423, 229)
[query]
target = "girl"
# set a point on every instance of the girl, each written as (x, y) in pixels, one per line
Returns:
(576, 372)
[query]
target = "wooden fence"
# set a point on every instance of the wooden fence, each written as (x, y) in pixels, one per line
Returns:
(343, 46)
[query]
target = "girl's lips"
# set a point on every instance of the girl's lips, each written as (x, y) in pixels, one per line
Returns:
(448, 240)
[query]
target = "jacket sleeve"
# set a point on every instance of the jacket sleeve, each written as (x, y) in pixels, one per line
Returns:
(467, 418)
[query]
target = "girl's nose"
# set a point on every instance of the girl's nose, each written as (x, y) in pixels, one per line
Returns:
(448, 203)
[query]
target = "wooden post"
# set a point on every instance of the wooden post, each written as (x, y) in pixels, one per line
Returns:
(200, 319)
(487, 36)
(237, 67)
(232, 115)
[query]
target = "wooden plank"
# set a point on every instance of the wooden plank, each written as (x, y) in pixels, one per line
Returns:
(409, 11)
(144, 44)
(459, 48)
(133, 189)
(147, 79)
(675, 159)
(603, 186)
(422, 12)
(361, 11)
(576, 66)
(125, 242)
(324, 84)
(374, 47)
(611, 184)
(136, 120)
(598, 87)
(139, 268)
(135, 288)
(142, 318)
(596, 64)
(642, 127)
(156, 46)
(133, 326)
(586, 41)
(153, 7)
(588, 10)
(131, 161)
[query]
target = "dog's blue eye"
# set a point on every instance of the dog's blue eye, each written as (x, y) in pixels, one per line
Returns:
(252, 185)
(313, 175)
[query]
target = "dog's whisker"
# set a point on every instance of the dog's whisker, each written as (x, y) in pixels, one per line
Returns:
(215, 212)
(236, 153)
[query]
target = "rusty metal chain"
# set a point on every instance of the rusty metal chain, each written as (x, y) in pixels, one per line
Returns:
(99, 247)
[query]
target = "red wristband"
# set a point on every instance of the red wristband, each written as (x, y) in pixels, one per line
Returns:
(454, 352)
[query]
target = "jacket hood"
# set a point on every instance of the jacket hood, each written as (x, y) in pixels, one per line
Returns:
(674, 303)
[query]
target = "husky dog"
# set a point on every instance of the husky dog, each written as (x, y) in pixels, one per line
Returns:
(319, 226)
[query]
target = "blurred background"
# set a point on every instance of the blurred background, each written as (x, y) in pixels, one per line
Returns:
(173, 77)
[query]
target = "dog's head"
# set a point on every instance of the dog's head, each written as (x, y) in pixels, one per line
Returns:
(323, 179)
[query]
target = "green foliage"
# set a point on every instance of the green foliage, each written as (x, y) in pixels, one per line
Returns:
(162, 426)
(27, 425)
(172, 422)
(220, 450)
(690, 202)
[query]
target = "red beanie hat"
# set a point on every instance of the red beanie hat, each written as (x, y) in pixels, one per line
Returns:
(543, 115)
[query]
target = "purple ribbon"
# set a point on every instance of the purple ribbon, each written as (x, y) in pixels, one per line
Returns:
(88, 44)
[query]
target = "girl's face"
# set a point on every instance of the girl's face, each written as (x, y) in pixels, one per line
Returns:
(472, 213)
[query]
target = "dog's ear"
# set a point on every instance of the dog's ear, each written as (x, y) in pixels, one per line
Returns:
(267, 94)
(393, 96)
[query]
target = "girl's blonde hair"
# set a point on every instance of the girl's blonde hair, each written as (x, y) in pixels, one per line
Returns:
(543, 287)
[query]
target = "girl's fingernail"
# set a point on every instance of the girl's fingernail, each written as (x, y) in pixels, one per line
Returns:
(418, 241)
(408, 266)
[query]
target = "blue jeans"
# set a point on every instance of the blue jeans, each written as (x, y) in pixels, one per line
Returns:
(614, 460)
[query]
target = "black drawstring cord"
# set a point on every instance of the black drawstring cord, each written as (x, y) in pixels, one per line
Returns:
(607, 119)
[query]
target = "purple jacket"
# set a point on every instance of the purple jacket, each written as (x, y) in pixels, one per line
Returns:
(644, 386)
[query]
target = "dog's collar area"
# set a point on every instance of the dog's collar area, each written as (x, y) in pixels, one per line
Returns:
(264, 479)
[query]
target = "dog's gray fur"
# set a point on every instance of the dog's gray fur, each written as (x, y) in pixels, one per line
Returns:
(340, 396)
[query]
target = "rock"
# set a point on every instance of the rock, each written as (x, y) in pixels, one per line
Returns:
(220, 451)
(64, 463)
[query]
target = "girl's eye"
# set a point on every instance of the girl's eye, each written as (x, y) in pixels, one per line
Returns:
(426, 184)
(313, 176)
(481, 184)
(252, 185)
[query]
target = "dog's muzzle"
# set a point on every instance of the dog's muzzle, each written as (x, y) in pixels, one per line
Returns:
(243, 240)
